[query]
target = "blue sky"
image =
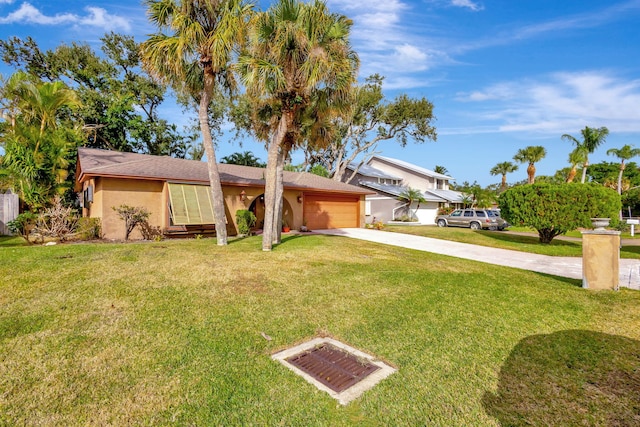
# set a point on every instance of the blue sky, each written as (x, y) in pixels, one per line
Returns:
(502, 74)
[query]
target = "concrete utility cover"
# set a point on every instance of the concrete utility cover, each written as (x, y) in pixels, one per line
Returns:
(334, 367)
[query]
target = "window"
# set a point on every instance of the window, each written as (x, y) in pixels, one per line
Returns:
(456, 213)
(468, 213)
(190, 204)
(367, 207)
(480, 214)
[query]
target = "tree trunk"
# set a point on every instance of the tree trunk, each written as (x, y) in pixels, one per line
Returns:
(584, 170)
(531, 173)
(271, 181)
(572, 174)
(214, 176)
(503, 186)
(622, 166)
(277, 224)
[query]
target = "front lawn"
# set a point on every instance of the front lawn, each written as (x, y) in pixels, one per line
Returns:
(506, 240)
(171, 333)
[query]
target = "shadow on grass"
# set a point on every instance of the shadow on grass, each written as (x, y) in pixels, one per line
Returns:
(573, 377)
(631, 250)
(9, 241)
(531, 240)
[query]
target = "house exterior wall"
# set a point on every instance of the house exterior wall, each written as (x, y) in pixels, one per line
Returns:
(154, 196)
(382, 207)
(113, 192)
(409, 178)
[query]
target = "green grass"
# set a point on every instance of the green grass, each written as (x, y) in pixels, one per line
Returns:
(170, 333)
(506, 240)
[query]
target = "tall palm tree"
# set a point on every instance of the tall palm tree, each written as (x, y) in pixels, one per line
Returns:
(531, 155)
(625, 153)
(295, 49)
(503, 169)
(194, 56)
(592, 138)
(577, 157)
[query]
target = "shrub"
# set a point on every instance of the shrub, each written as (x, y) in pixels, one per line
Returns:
(554, 209)
(57, 221)
(132, 217)
(90, 228)
(245, 220)
(150, 232)
(445, 210)
(23, 224)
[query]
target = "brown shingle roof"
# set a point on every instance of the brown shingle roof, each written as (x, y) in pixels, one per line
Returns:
(116, 164)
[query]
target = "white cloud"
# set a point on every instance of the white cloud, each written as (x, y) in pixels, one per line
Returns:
(468, 4)
(99, 17)
(560, 102)
(96, 18)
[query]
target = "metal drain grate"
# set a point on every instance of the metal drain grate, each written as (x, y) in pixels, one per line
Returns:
(333, 367)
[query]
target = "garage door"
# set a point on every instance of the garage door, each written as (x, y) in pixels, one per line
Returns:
(322, 212)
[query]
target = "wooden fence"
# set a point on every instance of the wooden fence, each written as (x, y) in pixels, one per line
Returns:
(8, 210)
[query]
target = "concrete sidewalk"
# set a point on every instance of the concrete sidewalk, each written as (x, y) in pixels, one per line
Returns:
(558, 266)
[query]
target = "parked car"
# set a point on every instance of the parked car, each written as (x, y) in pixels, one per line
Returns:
(502, 224)
(475, 219)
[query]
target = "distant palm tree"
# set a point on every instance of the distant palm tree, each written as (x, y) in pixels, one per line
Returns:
(530, 155)
(592, 138)
(441, 169)
(625, 153)
(245, 159)
(503, 169)
(577, 157)
(411, 195)
(195, 57)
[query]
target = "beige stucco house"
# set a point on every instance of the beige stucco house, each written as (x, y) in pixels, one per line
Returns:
(176, 193)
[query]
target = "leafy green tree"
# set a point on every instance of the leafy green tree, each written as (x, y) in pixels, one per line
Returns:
(245, 159)
(554, 209)
(530, 155)
(193, 56)
(319, 170)
(503, 169)
(592, 138)
(39, 137)
(411, 196)
(296, 50)
(371, 120)
(120, 101)
(625, 153)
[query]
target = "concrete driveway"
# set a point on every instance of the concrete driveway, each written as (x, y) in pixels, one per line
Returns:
(558, 266)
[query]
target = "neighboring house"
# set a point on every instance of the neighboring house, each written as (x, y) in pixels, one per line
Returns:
(177, 194)
(390, 177)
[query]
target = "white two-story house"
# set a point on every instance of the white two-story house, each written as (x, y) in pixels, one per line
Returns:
(390, 177)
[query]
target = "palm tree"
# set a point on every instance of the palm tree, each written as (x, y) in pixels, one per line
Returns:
(503, 169)
(295, 49)
(246, 158)
(194, 58)
(625, 153)
(577, 157)
(411, 195)
(530, 155)
(441, 170)
(37, 148)
(592, 138)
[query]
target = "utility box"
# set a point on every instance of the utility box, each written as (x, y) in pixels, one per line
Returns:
(600, 259)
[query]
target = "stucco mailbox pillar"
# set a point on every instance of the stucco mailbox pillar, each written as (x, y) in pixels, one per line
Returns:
(600, 259)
